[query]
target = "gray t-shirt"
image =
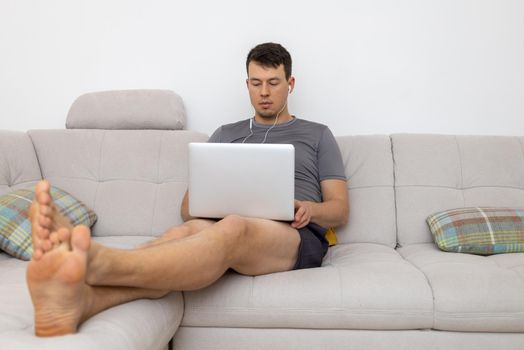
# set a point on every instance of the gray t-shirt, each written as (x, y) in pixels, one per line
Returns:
(317, 156)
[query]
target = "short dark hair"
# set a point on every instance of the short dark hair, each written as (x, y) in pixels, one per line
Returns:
(270, 55)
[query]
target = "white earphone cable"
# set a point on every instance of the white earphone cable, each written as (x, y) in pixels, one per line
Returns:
(250, 130)
(268, 130)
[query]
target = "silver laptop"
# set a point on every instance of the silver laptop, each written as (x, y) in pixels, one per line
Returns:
(253, 180)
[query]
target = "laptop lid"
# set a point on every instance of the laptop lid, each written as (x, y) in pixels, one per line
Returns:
(253, 180)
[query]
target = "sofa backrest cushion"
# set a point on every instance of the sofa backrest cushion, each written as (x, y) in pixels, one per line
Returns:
(18, 163)
(134, 180)
(440, 172)
(127, 110)
(369, 171)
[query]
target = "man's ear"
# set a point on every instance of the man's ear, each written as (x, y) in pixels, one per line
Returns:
(291, 83)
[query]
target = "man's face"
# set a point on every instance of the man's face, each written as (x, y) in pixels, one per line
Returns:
(268, 89)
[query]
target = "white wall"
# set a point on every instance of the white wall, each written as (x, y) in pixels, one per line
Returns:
(362, 67)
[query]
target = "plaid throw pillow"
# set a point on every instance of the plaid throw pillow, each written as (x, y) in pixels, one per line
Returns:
(482, 231)
(15, 227)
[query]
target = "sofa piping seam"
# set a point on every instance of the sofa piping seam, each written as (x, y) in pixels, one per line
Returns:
(397, 243)
(98, 171)
(252, 291)
(430, 287)
(463, 188)
(354, 311)
(155, 200)
(111, 180)
(461, 172)
(521, 146)
(20, 183)
(36, 156)
(339, 274)
(9, 178)
(100, 156)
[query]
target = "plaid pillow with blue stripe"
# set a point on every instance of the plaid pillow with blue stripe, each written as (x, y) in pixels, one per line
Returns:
(482, 231)
(15, 227)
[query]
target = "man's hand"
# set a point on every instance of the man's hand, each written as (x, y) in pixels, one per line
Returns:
(333, 211)
(303, 214)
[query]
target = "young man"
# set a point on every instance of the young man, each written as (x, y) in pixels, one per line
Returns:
(71, 278)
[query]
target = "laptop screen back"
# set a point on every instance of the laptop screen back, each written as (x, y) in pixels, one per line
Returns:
(253, 180)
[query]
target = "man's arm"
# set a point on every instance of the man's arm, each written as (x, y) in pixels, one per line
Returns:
(333, 211)
(184, 208)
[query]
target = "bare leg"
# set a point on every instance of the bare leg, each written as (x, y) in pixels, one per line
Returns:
(250, 246)
(187, 229)
(50, 219)
(57, 275)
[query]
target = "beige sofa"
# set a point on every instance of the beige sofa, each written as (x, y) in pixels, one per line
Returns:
(384, 286)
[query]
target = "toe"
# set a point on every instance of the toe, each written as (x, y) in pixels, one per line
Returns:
(53, 237)
(64, 235)
(43, 233)
(46, 246)
(46, 210)
(62, 238)
(80, 238)
(42, 186)
(33, 210)
(37, 254)
(44, 221)
(43, 198)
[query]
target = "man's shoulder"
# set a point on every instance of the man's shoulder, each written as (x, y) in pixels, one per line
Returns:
(233, 126)
(311, 124)
(313, 128)
(234, 130)
(229, 132)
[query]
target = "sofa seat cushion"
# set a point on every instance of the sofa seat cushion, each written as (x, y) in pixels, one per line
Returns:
(141, 324)
(473, 293)
(359, 286)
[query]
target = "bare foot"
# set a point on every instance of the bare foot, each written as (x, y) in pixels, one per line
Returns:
(61, 298)
(45, 218)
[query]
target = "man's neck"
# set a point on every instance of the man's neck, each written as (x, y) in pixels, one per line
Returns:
(284, 117)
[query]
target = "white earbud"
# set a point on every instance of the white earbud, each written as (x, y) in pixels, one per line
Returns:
(289, 89)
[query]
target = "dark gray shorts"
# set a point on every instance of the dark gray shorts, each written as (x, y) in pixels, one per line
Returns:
(313, 246)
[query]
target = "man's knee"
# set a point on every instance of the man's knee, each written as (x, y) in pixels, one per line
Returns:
(191, 226)
(194, 226)
(188, 228)
(233, 227)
